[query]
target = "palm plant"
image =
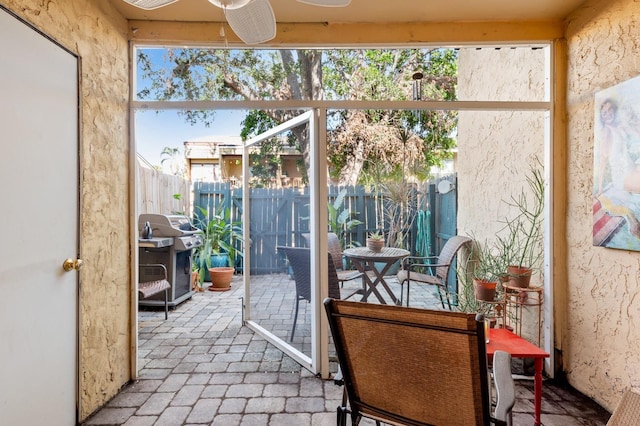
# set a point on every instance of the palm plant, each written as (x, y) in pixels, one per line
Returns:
(220, 235)
(340, 218)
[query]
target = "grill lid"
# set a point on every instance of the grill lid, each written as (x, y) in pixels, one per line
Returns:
(167, 225)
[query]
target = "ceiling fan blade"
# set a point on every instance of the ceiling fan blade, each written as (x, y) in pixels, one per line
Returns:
(327, 3)
(150, 4)
(229, 4)
(254, 23)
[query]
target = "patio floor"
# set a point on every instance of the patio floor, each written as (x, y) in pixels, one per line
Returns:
(202, 366)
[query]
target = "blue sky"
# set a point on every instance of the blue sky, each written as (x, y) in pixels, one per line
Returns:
(157, 130)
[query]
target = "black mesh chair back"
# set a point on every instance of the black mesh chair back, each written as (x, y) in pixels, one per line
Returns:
(300, 262)
(335, 249)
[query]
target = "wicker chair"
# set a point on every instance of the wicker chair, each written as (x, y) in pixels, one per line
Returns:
(627, 413)
(333, 245)
(431, 270)
(408, 366)
(300, 261)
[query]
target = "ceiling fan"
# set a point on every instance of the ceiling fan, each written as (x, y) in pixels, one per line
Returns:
(253, 21)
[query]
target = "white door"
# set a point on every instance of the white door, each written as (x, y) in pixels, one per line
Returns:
(310, 347)
(39, 217)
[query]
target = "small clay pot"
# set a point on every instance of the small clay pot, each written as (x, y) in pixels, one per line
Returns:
(519, 276)
(484, 290)
(375, 245)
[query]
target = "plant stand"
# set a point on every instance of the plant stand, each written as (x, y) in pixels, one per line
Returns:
(493, 311)
(517, 299)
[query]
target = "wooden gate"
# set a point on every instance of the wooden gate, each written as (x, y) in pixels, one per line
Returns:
(279, 216)
(445, 211)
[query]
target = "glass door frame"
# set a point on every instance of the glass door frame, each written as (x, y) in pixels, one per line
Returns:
(553, 130)
(318, 362)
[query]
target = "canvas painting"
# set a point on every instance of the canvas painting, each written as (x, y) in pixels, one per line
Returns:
(616, 168)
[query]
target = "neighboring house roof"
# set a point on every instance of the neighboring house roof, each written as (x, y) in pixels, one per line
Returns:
(208, 146)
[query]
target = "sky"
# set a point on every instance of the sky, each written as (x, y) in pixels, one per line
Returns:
(157, 130)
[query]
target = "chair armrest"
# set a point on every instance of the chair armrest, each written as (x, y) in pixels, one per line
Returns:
(410, 260)
(426, 265)
(155, 265)
(505, 389)
(430, 268)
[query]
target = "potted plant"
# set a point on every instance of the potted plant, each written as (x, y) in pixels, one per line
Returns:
(375, 241)
(487, 270)
(480, 278)
(522, 245)
(216, 258)
(340, 219)
(399, 211)
(466, 298)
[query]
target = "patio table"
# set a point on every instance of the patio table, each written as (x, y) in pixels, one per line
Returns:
(364, 260)
(501, 339)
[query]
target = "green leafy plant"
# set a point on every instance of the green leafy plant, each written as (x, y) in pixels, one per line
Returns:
(376, 236)
(340, 219)
(486, 262)
(466, 300)
(220, 235)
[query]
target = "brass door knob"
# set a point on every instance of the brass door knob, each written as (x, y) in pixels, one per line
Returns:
(71, 264)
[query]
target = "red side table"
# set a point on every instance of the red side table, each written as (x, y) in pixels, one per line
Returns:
(504, 340)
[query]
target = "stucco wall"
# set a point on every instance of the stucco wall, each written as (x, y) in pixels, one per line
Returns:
(496, 149)
(97, 34)
(602, 357)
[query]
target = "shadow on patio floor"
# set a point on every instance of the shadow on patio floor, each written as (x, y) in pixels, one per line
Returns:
(202, 366)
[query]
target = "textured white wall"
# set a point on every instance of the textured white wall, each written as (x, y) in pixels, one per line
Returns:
(98, 34)
(602, 355)
(496, 149)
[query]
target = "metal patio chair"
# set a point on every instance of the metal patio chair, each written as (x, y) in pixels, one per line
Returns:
(150, 287)
(300, 261)
(409, 366)
(431, 270)
(333, 245)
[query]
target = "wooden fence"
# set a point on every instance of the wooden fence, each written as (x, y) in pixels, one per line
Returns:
(280, 217)
(161, 193)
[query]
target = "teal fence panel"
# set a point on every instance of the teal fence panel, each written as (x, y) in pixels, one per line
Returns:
(280, 217)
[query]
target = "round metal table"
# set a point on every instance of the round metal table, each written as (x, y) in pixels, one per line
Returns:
(364, 260)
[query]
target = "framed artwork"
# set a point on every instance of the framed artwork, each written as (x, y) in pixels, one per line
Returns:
(616, 166)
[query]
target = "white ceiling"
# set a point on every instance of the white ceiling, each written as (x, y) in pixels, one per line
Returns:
(371, 11)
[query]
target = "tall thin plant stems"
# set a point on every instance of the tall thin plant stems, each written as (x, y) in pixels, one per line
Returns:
(400, 211)
(524, 231)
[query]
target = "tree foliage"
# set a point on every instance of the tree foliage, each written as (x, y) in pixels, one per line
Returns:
(362, 144)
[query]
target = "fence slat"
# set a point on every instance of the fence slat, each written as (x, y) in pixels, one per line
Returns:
(280, 216)
(161, 193)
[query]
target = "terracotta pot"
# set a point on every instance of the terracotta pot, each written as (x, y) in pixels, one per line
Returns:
(221, 278)
(484, 290)
(217, 260)
(375, 245)
(519, 276)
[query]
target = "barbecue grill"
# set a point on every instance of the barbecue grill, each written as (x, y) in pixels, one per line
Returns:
(173, 238)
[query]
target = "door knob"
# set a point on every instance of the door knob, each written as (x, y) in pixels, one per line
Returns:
(71, 264)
